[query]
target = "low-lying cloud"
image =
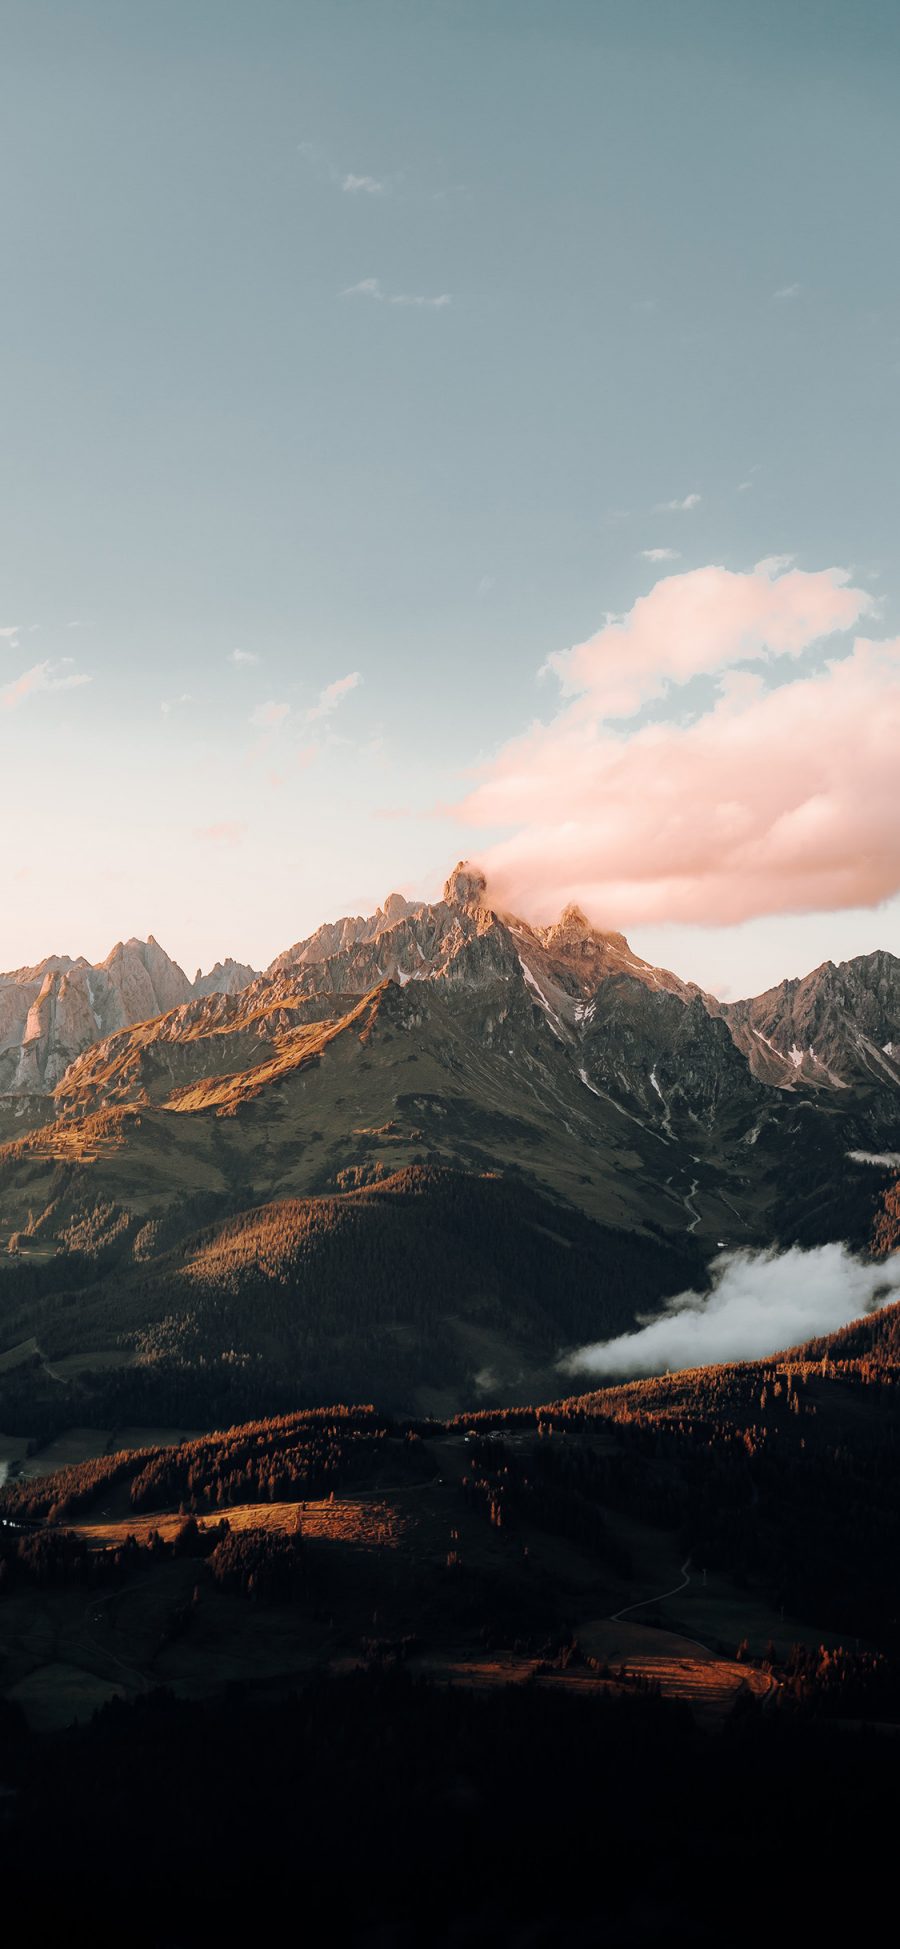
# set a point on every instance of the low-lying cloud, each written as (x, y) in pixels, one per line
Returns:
(760, 1303)
(760, 800)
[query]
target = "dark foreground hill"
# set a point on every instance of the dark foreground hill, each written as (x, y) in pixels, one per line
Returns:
(572, 1674)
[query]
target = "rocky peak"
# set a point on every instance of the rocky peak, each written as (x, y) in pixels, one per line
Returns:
(572, 926)
(396, 907)
(465, 887)
(228, 977)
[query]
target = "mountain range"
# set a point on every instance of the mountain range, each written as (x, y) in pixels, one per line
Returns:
(211, 1166)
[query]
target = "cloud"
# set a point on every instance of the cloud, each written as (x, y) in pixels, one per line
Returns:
(760, 1304)
(368, 287)
(371, 287)
(10, 634)
(333, 695)
(171, 704)
(771, 800)
(660, 555)
(268, 716)
(243, 656)
(326, 172)
(41, 677)
(706, 619)
(788, 291)
(365, 185)
(678, 507)
(431, 304)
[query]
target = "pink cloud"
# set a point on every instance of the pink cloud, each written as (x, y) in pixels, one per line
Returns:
(773, 801)
(267, 717)
(333, 695)
(705, 620)
(41, 676)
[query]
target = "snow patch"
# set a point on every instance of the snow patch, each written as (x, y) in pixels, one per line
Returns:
(554, 1023)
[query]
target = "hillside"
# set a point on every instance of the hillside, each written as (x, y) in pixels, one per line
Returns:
(425, 1290)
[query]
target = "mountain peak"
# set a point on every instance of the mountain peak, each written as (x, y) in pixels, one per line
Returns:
(397, 908)
(466, 886)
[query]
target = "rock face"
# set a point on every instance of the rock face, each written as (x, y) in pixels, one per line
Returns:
(51, 1013)
(228, 977)
(837, 1028)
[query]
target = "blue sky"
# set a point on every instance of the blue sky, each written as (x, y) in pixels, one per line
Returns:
(236, 417)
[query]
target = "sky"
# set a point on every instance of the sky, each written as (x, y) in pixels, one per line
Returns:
(450, 430)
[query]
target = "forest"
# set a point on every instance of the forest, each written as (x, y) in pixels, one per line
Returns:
(361, 1799)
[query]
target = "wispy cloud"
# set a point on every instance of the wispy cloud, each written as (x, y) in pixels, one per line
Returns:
(345, 179)
(678, 507)
(372, 287)
(10, 634)
(171, 704)
(41, 677)
(660, 555)
(787, 291)
(243, 656)
(333, 695)
(268, 716)
(362, 185)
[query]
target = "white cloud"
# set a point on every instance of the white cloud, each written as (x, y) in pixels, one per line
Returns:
(788, 291)
(333, 695)
(365, 185)
(10, 634)
(243, 656)
(371, 287)
(41, 677)
(171, 704)
(430, 304)
(660, 555)
(368, 287)
(760, 1303)
(678, 507)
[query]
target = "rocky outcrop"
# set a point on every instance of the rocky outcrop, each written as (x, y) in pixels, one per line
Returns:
(341, 936)
(51, 1013)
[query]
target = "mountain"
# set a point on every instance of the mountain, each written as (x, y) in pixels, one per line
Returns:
(837, 1028)
(50, 1013)
(383, 1054)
